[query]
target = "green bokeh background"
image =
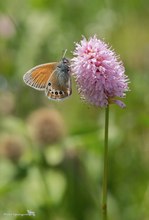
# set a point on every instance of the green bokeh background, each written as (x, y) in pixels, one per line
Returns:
(63, 180)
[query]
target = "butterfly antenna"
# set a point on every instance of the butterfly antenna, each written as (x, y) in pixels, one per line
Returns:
(64, 53)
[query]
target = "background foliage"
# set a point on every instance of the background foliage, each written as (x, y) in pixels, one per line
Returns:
(61, 177)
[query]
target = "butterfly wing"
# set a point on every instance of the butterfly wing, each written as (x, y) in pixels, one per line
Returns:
(38, 76)
(55, 89)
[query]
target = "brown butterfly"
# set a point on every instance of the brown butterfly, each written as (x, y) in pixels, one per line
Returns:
(53, 78)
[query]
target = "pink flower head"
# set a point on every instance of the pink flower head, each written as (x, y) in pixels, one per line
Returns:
(99, 74)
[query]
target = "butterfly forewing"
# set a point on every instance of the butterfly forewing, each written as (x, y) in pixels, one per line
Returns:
(38, 76)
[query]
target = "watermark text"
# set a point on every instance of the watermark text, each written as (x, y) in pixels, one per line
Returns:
(29, 213)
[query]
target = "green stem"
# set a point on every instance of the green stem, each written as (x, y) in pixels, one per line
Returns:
(44, 181)
(105, 171)
(43, 175)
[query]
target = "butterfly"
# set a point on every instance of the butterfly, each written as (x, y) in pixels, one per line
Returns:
(53, 78)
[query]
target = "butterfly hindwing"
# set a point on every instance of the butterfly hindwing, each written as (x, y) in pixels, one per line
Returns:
(38, 76)
(57, 92)
(59, 83)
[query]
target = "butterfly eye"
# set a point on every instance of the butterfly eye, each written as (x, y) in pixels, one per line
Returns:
(65, 61)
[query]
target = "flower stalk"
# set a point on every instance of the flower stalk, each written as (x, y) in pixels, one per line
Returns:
(105, 169)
